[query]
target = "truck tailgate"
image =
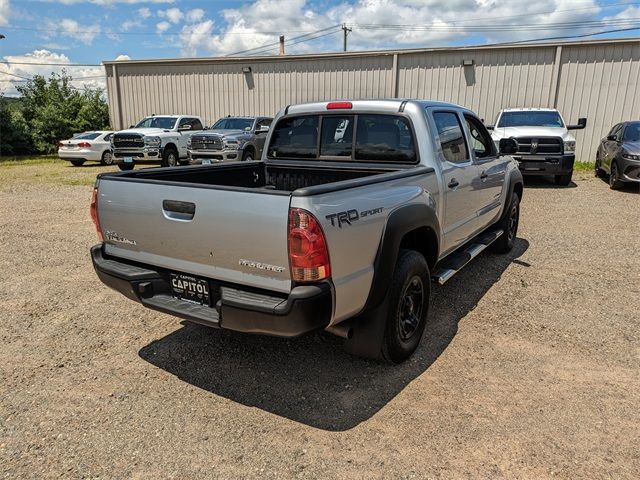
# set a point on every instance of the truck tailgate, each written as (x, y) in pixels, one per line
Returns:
(237, 236)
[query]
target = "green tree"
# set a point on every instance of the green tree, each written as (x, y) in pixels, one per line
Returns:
(14, 131)
(54, 110)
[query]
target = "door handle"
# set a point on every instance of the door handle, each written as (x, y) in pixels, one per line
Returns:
(484, 176)
(177, 210)
(453, 183)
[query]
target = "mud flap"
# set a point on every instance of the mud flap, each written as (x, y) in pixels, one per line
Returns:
(368, 332)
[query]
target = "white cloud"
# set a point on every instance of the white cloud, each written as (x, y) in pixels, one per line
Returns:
(5, 10)
(70, 28)
(241, 27)
(162, 27)
(123, 57)
(174, 15)
(144, 12)
(86, 76)
(195, 15)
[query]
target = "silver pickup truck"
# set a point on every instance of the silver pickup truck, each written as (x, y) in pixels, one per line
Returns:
(353, 210)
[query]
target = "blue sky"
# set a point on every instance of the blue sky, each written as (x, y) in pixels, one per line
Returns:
(89, 31)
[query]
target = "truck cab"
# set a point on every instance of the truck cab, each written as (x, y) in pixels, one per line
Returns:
(155, 140)
(545, 145)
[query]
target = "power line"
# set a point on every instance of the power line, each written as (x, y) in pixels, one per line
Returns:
(278, 42)
(52, 64)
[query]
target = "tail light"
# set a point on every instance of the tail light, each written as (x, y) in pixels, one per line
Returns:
(308, 253)
(84, 145)
(60, 144)
(94, 212)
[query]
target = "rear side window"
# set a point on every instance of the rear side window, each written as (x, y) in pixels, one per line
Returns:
(454, 148)
(363, 138)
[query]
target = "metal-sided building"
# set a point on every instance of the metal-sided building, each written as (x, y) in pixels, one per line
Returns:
(594, 79)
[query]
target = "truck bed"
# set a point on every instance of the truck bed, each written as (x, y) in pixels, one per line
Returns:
(252, 175)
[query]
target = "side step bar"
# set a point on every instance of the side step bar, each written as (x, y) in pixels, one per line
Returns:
(454, 262)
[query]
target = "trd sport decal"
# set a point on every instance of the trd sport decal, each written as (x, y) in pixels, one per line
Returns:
(350, 216)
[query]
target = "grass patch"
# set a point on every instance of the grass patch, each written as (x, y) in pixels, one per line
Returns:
(47, 170)
(583, 166)
(28, 160)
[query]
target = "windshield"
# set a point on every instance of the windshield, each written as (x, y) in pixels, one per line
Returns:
(233, 124)
(530, 119)
(157, 122)
(632, 133)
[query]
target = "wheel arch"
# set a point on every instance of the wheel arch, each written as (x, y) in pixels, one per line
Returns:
(414, 227)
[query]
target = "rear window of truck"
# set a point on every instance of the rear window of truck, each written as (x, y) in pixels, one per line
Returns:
(351, 137)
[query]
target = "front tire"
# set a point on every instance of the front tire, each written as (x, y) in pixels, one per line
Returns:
(409, 294)
(509, 225)
(563, 180)
(247, 156)
(107, 158)
(170, 157)
(77, 163)
(614, 177)
(597, 170)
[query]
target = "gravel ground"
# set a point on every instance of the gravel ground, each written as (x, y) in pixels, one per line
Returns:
(529, 369)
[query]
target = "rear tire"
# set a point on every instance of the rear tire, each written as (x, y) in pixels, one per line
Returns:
(77, 163)
(563, 180)
(107, 158)
(125, 166)
(509, 225)
(409, 293)
(170, 157)
(597, 170)
(614, 179)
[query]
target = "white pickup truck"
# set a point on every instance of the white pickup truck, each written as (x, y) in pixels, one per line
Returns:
(354, 209)
(155, 140)
(545, 146)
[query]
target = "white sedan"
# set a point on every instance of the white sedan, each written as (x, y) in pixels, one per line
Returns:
(87, 147)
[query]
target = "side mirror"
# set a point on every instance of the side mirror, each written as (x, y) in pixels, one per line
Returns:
(582, 123)
(132, 126)
(184, 127)
(508, 146)
(262, 129)
(612, 138)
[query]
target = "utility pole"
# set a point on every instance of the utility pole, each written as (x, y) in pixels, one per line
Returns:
(281, 45)
(346, 32)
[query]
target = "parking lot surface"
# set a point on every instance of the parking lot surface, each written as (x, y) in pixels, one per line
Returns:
(530, 367)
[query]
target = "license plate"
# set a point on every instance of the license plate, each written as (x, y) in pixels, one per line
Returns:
(128, 159)
(206, 161)
(192, 289)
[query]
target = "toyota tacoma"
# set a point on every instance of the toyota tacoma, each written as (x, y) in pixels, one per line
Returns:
(354, 209)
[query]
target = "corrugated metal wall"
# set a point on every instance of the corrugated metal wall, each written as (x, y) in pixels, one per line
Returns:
(598, 80)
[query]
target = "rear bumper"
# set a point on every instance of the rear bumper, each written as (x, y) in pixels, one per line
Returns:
(545, 165)
(87, 155)
(306, 308)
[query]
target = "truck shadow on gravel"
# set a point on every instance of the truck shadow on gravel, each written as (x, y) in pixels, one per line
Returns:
(311, 380)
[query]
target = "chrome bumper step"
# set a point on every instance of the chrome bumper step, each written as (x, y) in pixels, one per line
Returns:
(454, 262)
